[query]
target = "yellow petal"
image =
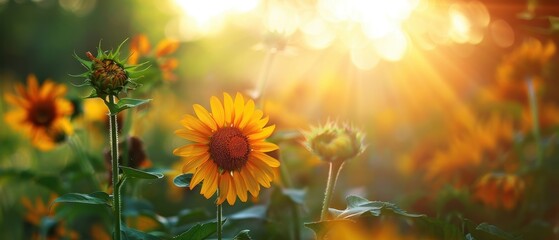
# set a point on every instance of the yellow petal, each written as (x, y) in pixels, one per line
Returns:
(191, 150)
(262, 146)
(209, 181)
(250, 181)
(247, 114)
(266, 132)
(201, 174)
(193, 123)
(228, 107)
(192, 136)
(259, 176)
(217, 111)
(32, 85)
(232, 193)
(239, 107)
(223, 187)
(205, 116)
(240, 186)
(166, 47)
(192, 163)
(272, 162)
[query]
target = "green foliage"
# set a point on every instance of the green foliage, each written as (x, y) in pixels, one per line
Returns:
(136, 173)
(357, 206)
(96, 198)
(125, 103)
(198, 232)
(243, 235)
(183, 180)
(133, 234)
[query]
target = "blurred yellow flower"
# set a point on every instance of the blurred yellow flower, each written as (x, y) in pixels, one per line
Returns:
(36, 212)
(467, 152)
(41, 112)
(98, 232)
(228, 149)
(499, 190)
(140, 47)
(528, 61)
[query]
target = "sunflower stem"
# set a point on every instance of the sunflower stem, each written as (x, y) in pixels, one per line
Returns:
(219, 213)
(114, 160)
(532, 98)
(333, 173)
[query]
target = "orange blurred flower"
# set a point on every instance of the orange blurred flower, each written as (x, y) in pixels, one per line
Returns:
(467, 152)
(140, 47)
(499, 190)
(529, 61)
(36, 212)
(98, 232)
(41, 112)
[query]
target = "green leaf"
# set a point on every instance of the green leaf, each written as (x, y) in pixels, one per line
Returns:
(254, 212)
(133, 234)
(136, 173)
(296, 195)
(357, 206)
(497, 232)
(188, 216)
(126, 103)
(322, 227)
(243, 235)
(198, 232)
(183, 180)
(96, 198)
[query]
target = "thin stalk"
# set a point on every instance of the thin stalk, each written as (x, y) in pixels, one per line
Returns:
(333, 173)
(219, 213)
(264, 77)
(114, 160)
(532, 98)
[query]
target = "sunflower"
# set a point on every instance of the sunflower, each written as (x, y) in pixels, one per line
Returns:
(37, 212)
(41, 112)
(229, 149)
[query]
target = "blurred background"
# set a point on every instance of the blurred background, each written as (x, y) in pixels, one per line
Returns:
(433, 84)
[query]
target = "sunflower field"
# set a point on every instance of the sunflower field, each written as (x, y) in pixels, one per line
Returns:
(279, 119)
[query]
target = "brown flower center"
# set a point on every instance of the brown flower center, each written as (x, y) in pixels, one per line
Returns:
(42, 113)
(229, 148)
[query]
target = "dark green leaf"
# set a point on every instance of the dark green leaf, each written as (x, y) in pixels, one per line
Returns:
(188, 216)
(243, 235)
(136, 173)
(497, 232)
(98, 198)
(133, 234)
(296, 195)
(126, 103)
(198, 232)
(183, 180)
(254, 212)
(357, 206)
